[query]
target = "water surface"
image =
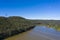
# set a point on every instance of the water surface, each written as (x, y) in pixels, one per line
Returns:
(38, 33)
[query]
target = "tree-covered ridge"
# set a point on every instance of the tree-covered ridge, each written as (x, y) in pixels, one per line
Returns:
(13, 25)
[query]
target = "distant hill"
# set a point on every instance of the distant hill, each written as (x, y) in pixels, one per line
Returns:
(46, 22)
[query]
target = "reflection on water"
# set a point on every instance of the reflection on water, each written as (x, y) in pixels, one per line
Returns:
(45, 29)
(57, 28)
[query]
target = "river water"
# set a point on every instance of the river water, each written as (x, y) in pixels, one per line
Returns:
(39, 33)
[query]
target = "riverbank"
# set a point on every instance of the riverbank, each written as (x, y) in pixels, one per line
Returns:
(15, 32)
(17, 36)
(37, 34)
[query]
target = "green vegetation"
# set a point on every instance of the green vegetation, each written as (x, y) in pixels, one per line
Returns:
(49, 23)
(10, 26)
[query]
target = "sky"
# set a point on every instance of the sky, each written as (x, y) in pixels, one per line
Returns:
(31, 9)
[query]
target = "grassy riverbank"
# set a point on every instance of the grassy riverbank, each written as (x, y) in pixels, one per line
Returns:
(13, 25)
(18, 36)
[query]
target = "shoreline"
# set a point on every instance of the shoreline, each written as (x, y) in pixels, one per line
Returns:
(15, 32)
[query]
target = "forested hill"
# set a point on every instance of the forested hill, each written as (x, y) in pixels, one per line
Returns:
(13, 25)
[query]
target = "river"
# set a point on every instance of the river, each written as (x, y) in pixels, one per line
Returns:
(38, 33)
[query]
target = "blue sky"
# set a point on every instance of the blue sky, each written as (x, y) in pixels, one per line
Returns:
(31, 9)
